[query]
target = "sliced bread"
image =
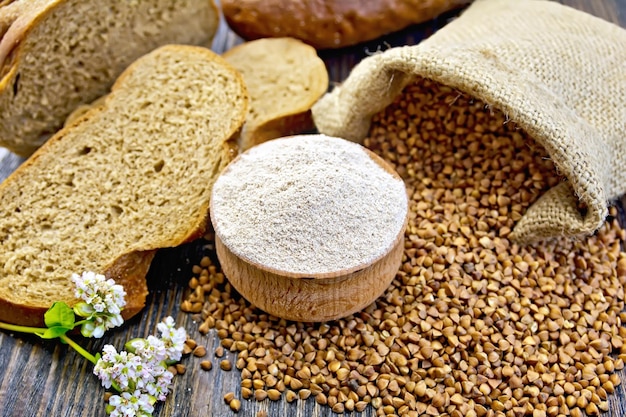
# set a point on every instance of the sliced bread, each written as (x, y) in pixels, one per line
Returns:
(130, 176)
(284, 77)
(58, 54)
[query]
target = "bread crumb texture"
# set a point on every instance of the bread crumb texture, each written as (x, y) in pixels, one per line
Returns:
(73, 50)
(132, 175)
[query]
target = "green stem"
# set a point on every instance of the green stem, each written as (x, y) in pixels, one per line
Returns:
(39, 331)
(22, 329)
(91, 358)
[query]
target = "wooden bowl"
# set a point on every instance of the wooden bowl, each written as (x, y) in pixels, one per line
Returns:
(307, 296)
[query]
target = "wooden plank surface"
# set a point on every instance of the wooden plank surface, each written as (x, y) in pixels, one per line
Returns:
(48, 379)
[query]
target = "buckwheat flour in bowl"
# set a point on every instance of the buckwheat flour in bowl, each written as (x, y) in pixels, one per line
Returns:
(309, 227)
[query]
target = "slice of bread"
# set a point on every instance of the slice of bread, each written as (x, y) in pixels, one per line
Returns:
(130, 176)
(284, 77)
(58, 54)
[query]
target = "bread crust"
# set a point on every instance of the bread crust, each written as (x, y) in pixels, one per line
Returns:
(301, 120)
(327, 24)
(16, 20)
(129, 271)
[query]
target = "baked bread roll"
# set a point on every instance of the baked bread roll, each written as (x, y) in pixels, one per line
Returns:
(329, 23)
(284, 78)
(58, 54)
(130, 176)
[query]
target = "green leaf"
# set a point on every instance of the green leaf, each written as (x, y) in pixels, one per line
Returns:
(54, 332)
(59, 315)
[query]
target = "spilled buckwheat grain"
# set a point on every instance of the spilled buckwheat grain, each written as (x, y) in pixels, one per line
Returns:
(473, 325)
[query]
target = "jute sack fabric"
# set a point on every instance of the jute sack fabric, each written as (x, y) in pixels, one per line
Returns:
(559, 73)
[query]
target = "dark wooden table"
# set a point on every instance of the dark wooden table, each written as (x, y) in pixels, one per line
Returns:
(48, 379)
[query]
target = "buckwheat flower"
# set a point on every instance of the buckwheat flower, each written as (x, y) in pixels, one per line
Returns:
(129, 404)
(174, 339)
(154, 379)
(159, 385)
(103, 301)
(118, 369)
(97, 325)
(138, 372)
(101, 294)
(93, 328)
(151, 348)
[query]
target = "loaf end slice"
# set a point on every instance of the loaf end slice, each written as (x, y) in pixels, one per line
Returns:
(56, 55)
(131, 175)
(284, 77)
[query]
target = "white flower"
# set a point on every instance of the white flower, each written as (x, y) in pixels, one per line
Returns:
(151, 348)
(103, 301)
(92, 329)
(159, 387)
(97, 325)
(126, 371)
(118, 369)
(131, 404)
(140, 375)
(174, 339)
(101, 294)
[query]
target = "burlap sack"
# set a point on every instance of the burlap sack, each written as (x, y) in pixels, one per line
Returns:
(558, 72)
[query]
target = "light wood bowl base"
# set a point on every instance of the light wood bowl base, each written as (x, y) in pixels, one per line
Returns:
(310, 299)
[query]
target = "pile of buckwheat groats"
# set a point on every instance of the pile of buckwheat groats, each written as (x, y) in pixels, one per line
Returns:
(472, 325)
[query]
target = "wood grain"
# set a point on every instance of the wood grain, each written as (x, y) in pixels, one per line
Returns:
(48, 379)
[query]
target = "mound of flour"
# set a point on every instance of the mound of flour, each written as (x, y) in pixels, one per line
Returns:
(308, 204)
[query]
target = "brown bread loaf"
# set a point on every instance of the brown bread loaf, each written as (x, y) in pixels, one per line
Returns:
(329, 23)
